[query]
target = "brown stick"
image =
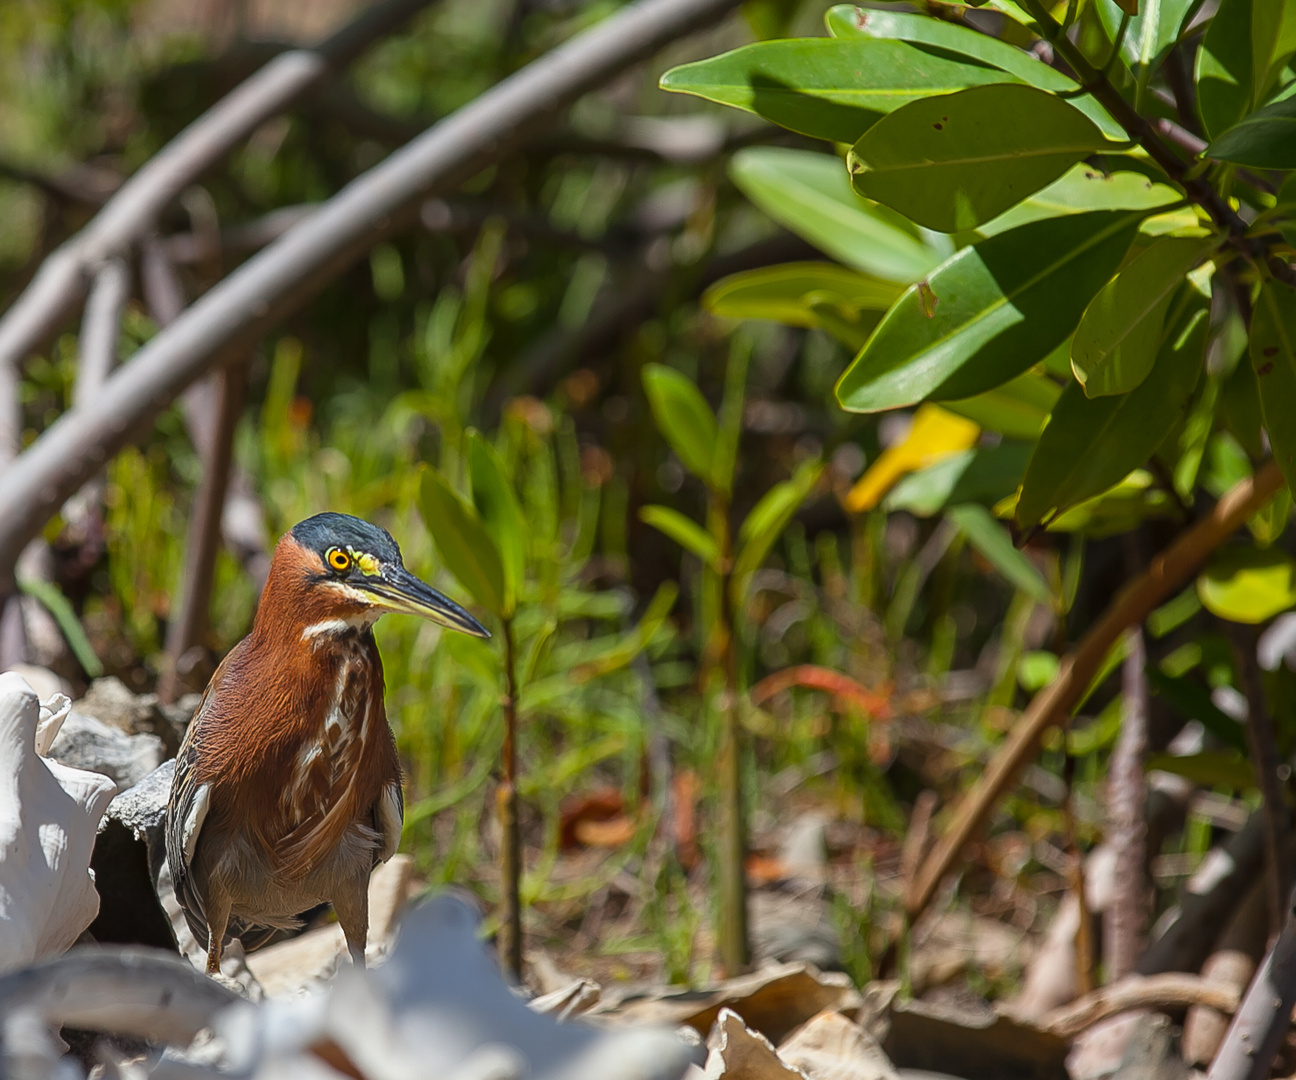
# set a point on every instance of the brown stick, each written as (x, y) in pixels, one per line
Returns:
(203, 543)
(1125, 921)
(1172, 990)
(1136, 601)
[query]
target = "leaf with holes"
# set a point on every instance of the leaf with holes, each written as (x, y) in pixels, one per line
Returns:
(989, 313)
(957, 161)
(847, 21)
(825, 87)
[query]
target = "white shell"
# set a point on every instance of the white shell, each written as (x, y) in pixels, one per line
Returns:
(49, 814)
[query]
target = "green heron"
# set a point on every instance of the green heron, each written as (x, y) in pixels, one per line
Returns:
(287, 788)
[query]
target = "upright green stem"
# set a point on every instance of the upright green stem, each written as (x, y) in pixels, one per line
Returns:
(510, 931)
(735, 949)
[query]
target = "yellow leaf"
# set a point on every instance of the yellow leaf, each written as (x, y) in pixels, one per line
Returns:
(935, 434)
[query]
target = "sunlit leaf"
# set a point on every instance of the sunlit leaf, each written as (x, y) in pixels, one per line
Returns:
(466, 547)
(806, 294)
(827, 88)
(1273, 356)
(935, 434)
(1152, 31)
(1248, 585)
(683, 417)
(1081, 188)
(989, 313)
(956, 161)
(1090, 444)
(991, 539)
(1243, 45)
(498, 508)
(770, 516)
(811, 195)
(849, 21)
(1116, 342)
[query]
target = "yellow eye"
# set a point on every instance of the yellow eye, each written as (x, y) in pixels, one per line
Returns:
(338, 559)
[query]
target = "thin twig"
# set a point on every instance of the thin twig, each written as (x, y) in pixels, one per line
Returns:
(63, 278)
(1167, 572)
(1125, 921)
(1264, 758)
(1173, 990)
(279, 280)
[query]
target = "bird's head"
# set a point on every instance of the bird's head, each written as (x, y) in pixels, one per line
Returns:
(348, 572)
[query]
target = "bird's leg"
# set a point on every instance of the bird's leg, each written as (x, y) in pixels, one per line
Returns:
(352, 906)
(218, 909)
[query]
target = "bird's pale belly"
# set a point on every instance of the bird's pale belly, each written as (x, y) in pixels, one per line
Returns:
(266, 896)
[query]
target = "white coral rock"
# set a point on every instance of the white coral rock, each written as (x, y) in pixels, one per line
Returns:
(48, 817)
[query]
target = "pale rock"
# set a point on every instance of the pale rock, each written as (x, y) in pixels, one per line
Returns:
(48, 817)
(86, 743)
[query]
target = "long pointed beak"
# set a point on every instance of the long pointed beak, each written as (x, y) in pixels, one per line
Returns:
(397, 590)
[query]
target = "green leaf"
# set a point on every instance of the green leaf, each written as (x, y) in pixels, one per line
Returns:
(1116, 342)
(466, 547)
(848, 21)
(1264, 140)
(957, 161)
(51, 598)
(684, 531)
(770, 516)
(497, 505)
(1091, 444)
(1081, 188)
(791, 292)
(989, 313)
(826, 88)
(991, 539)
(811, 195)
(984, 475)
(1273, 356)
(683, 417)
(1151, 33)
(1240, 49)
(1247, 584)
(1018, 409)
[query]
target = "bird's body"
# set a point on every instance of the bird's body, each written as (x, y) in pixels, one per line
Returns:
(287, 787)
